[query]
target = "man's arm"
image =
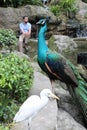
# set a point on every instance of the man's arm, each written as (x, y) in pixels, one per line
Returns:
(29, 30)
(21, 28)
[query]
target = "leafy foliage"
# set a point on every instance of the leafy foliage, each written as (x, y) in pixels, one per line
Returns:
(16, 3)
(55, 9)
(64, 6)
(2, 127)
(68, 5)
(8, 109)
(16, 76)
(32, 2)
(7, 38)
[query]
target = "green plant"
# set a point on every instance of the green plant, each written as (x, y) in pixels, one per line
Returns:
(55, 9)
(7, 38)
(68, 5)
(16, 77)
(32, 2)
(8, 109)
(2, 127)
(64, 6)
(17, 3)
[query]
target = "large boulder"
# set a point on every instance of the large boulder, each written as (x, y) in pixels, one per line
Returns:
(11, 17)
(81, 14)
(64, 45)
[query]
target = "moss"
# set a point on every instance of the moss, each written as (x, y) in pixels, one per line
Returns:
(71, 55)
(67, 53)
(51, 44)
(85, 15)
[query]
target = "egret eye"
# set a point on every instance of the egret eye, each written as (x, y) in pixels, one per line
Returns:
(49, 95)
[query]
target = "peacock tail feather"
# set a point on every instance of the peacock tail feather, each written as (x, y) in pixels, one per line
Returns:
(81, 95)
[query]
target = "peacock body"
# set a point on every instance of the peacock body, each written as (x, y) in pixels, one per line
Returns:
(58, 67)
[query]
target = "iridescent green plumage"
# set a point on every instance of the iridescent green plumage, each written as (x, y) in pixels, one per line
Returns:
(58, 67)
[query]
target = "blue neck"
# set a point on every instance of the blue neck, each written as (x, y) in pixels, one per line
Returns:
(42, 46)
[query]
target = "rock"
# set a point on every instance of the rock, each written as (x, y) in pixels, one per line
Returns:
(46, 119)
(64, 42)
(81, 14)
(66, 122)
(21, 55)
(67, 103)
(11, 17)
(64, 45)
(20, 126)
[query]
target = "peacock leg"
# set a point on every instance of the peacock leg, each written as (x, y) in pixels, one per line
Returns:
(53, 85)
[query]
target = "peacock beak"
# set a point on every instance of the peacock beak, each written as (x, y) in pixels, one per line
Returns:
(38, 23)
(41, 22)
(54, 96)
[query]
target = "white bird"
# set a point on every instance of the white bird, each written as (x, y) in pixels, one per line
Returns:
(33, 105)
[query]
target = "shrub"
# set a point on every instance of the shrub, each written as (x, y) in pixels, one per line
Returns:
(68, 5)
(64, 6)
(7, 38)
(32, 2)
(8, 109)
(55, 9)
(16, 77)
(16, 3)
(2, 127)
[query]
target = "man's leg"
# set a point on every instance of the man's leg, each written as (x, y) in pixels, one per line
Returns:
(26, 41)
(20, 43)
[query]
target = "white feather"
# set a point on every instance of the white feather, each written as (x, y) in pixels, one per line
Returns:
(32, 106)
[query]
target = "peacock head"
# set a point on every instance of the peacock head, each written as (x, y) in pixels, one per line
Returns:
(43, 21)
(43, 24)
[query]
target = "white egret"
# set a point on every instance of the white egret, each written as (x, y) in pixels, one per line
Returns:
(33, 105)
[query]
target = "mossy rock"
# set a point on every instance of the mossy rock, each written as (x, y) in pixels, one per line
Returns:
(68, 51)
(51, 44)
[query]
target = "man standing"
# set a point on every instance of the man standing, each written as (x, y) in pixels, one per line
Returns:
(25, 32)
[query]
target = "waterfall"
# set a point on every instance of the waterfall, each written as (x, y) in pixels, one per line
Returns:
(81, 31)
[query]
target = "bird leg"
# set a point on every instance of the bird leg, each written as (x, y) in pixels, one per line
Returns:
(53, 85)
(28, 125)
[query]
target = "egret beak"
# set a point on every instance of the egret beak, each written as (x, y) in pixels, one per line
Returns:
(54, 96)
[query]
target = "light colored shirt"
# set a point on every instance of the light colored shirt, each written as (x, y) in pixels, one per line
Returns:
(25, 27)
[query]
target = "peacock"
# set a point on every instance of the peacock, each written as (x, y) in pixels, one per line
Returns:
(57, 67)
